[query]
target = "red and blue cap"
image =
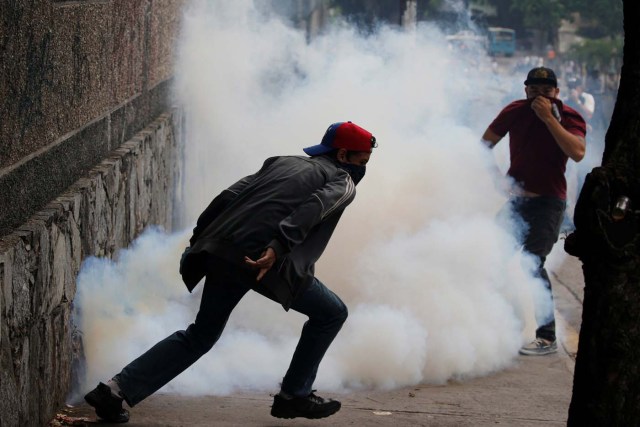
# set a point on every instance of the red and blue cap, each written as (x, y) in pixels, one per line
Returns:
(345, 135)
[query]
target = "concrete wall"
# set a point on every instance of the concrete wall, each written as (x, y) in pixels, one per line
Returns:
(79, 78)
(89, 148)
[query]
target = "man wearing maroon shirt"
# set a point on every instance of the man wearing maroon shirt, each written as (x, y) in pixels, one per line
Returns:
(543, 135)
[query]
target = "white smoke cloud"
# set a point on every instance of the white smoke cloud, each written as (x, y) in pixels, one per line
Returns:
(437, 289)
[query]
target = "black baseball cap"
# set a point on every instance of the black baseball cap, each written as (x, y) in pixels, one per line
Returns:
(541, 76)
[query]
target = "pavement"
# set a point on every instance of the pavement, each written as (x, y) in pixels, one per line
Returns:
(536, 391)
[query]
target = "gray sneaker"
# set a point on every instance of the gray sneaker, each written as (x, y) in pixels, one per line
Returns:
(539, 347)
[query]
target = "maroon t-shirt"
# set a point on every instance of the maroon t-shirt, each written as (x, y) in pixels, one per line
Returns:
(537, 162)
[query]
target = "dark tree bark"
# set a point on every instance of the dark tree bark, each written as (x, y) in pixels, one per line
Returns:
(606, 387)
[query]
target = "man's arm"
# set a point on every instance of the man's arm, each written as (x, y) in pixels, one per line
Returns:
(490, 138)
(333, 197)
(573, 146)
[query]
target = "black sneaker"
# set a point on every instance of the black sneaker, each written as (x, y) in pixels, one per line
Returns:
(107, 405)
(311, 406)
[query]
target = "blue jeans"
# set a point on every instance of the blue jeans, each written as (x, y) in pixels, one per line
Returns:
(543, 217)
(224, 287)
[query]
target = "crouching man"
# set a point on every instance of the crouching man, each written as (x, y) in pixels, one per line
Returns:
(263, 233)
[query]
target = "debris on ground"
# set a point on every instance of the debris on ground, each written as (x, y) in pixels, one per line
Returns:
(62, 420)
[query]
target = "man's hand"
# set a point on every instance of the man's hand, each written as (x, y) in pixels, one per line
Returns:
(571, 145)
(541, 105)
(264, 263)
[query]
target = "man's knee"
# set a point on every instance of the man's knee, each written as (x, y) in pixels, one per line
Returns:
(334, 317)
(200, 340)
(342, 313)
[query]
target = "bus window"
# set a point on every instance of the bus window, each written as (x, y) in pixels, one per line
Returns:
(502, 41)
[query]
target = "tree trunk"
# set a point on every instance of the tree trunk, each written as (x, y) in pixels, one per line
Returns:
(606, 387)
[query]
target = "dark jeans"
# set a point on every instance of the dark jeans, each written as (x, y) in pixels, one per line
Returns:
(543, 217)
(224, 287)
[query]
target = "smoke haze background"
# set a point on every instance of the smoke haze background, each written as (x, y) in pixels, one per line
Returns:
(436, 288)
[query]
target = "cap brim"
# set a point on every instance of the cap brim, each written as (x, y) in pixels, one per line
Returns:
(317, 150)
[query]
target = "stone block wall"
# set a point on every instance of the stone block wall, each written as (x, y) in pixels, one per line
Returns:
(133, 187)
(89, 143)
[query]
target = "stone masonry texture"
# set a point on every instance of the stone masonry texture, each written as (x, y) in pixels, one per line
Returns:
(99, 214)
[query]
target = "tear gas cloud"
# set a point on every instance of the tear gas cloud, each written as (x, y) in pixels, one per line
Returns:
(437, 288)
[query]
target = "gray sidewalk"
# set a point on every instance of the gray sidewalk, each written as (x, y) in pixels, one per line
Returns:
(536, 391)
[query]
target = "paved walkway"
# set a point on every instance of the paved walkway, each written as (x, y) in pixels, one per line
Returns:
(536, 391)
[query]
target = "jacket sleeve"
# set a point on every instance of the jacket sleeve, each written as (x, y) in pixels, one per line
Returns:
(220, 203)
(333, 197)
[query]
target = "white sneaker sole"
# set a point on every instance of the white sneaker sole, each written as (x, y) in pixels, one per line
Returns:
(538, 352)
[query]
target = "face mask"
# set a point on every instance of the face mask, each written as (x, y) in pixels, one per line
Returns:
(356, 172)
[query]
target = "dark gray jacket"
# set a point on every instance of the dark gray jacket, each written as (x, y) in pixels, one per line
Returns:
(291, 204)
